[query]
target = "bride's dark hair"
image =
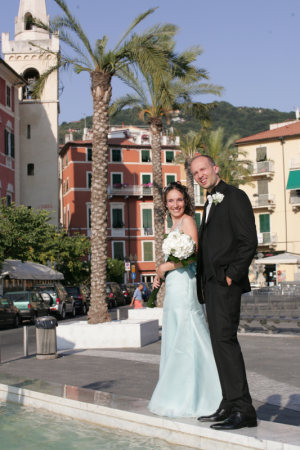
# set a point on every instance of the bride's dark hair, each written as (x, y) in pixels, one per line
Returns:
(184, 191)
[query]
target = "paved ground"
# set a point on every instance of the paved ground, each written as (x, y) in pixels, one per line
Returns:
(272, 362)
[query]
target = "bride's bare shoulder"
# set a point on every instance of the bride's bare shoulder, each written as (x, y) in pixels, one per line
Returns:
(188, 224)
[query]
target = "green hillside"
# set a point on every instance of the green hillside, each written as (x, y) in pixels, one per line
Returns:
(235, 120)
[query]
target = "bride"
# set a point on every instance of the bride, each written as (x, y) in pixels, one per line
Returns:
(188, 384)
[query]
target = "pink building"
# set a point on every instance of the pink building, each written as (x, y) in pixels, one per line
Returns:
(10, 81)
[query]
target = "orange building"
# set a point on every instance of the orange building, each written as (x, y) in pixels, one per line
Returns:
(130, 196)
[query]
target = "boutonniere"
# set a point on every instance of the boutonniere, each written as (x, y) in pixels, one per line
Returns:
(217, 198)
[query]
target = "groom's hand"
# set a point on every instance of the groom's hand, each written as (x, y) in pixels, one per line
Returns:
(229, 281)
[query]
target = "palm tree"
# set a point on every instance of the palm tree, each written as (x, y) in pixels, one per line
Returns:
(149, 50)
(156, 96)
(190, 144)
(235, 169)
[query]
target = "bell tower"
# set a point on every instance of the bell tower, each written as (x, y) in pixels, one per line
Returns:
(39, 183)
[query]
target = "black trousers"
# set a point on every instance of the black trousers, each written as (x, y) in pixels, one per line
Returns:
(223, 313)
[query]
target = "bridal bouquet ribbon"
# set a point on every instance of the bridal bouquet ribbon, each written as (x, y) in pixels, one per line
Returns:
(177, 247)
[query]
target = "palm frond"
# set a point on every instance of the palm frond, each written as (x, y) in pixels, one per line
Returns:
(100, 47)
(122, 102)
(136, 21)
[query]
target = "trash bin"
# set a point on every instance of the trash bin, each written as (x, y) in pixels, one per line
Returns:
(46, 345)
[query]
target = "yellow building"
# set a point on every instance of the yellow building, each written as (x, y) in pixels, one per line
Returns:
(275, 195)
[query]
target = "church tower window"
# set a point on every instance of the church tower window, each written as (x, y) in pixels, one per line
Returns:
(28, 21)
(31, 76)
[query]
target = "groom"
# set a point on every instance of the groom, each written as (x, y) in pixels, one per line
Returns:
(227, 244)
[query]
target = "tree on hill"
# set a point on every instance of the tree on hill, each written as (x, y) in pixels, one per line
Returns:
(148, 50)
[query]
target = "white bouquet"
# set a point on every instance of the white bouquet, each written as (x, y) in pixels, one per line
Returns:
(178, 247)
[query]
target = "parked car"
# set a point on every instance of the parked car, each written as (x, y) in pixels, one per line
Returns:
(149, 286)
(81, 295)
(114, 295)
(126, 293)
(131, 287)
(31, 304)
(9, 313)
(63, 303)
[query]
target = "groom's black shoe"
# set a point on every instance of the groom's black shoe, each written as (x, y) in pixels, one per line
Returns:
(218, 416)
(235, 421)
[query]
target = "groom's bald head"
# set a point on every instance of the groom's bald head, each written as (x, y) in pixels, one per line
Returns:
(205, 172)
(210, 160)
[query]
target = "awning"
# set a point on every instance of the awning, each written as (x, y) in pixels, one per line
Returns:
(18, 270)
(294, 180)
(284, 258)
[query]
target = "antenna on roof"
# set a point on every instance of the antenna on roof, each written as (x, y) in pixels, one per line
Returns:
(297, 114)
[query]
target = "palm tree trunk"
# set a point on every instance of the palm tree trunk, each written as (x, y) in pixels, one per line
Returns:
(101, 92)
(155, 129)
(190, 181)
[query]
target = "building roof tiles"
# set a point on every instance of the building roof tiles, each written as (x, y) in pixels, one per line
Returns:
(284, 131)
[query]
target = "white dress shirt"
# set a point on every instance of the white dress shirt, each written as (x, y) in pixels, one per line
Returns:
(210, 200)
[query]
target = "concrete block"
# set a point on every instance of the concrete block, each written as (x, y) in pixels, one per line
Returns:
(146, 314)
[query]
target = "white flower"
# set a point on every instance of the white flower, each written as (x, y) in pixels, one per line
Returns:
(179, 245)
(217, 198)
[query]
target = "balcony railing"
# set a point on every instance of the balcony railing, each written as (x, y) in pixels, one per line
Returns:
(130, 190)
(294, 198)
(118, 232)
(263, 201)
(263, 167)
(295, 163)
(199, 200)
(267, 238)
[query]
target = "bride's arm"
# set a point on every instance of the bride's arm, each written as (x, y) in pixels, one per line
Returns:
(188, 227)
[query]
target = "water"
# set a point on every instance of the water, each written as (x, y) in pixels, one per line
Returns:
(26, 428)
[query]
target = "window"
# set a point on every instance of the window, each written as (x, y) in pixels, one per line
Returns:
(169, 157)
(146, 156)
(30, 170)
(8, 96)
(28, 21)
(116, 178)
(118, 250)
(89, 154)
(169, 221)
(67, 184)
(90, 217)
(8, 199)
(116, 155)
(28, 132)
(68, 216)
(64, 191)
(147, 222)
(148, 251)
(64, 220)
(170, 179)
(117, 218)
(261, 154)
(198, 219)
(146, 178)
(262, 187)
(67, 158)
(264, 223)
(9, 144)
(89, 180)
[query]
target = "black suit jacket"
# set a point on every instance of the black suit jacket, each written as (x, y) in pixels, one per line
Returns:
(231, 240)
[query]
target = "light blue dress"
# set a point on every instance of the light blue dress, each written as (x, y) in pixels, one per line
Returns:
(188, 384)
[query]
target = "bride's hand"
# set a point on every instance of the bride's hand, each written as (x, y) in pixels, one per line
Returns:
(161, 271)
(156, 282)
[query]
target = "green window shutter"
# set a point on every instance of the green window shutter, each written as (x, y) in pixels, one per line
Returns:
(145, 155)
(117, 218)
(169, 157)
(89, 180)
(148, 251)
(117, 178)
(170, 178)
(67, 158)
(90, 154)
(146, 179)
(12, 145)
(198, 219)
(261, 154)
(118, 250)
(90, 218)
(116, 155)
(169, 221)
(264, 223)
(147, 218)
(6, 141)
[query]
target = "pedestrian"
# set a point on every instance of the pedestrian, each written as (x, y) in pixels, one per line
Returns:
(137, 298)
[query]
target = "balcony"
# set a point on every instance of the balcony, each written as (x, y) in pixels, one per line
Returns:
(137, 190)
(264, 168)
(295, 200)
(264, 201)
(199, 200)
(295, 163)
(118, 232)
(269, 239)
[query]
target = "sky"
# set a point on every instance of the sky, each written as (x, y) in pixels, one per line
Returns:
(251, 48)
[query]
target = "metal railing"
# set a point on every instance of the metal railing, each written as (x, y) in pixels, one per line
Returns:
(263, 200)
(271, 304)
(294, 199)
(263, 167)
(130, 190)
(267, 238)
